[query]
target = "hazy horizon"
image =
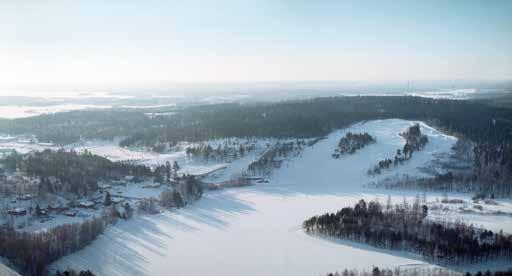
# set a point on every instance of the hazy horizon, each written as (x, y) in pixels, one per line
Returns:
(124, 44)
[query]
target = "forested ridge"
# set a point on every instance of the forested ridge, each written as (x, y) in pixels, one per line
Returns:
(75, 172)
(304, 118)
(404, 227)
(489, 127)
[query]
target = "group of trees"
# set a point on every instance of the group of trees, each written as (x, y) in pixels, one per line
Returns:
(449, 181)
(31, 252)
(184, 189)
(171, 198)
(222, 153)
(148, 206)
(274, 155)
(162, 147)
(493, 165)
(352, 142)
(431, 271)
(404, 227)
(74, 172)
(166, 173)
(414, 141)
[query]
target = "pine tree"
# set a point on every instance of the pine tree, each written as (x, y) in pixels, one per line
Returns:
(107, 201)
(38, 210)
(178, 200)
(167, 172)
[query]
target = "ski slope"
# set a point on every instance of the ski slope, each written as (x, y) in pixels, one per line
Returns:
(257, 230)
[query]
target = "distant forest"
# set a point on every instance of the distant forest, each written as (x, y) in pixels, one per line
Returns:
(305, 118)
(488, 126)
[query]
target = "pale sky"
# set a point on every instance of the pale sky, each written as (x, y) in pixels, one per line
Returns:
(52, 43)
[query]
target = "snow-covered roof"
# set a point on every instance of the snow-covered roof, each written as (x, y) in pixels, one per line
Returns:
(17, 211)
(86, 203)
(117, 199)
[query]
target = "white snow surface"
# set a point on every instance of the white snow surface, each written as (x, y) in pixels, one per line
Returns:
(257, 230)
(5, 270)
(17, 111)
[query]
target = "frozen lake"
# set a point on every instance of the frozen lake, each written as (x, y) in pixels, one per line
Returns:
(257, 230)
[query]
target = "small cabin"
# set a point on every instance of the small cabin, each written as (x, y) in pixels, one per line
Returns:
(104, 186)
(17, 212)
(152, 185)
(57, 208)
(117, 200)
(71, 213)
(26, 197)
(86, 204)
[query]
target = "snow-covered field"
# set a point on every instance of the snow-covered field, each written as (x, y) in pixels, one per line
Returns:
(23, 111)
(257, 230)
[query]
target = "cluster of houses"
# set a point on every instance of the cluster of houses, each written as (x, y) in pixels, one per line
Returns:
(26, 207)
(70, 210)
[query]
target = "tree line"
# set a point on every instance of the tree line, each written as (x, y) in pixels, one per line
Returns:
(274, 155)
(431, 271)
(222, 153)
(301, 118)
(31, 252)
(405, 227)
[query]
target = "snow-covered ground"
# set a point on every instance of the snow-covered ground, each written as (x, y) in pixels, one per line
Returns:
(23, 111)
(457, 94)
(256, 230)
(5, 270)
(23, 146)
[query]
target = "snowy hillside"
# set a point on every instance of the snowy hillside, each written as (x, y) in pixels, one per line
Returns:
(257, 230)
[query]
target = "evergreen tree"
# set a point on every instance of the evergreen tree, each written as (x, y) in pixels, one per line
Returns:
(107, 201)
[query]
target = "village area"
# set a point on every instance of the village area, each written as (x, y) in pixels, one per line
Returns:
(24, 206)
